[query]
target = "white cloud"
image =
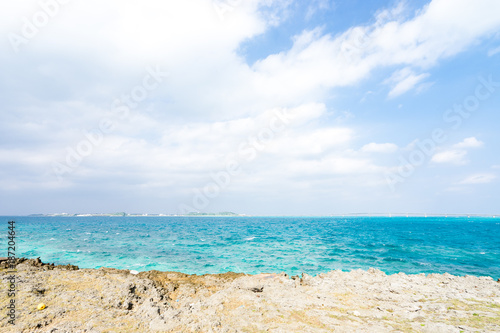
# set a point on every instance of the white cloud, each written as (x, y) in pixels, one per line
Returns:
(494, 51)
(332, 166)
(456, 157)
(315, 6)
(379, 148)
(183, 156)
(213, 101)
(403, 81)
(443, 29)
(317, 142)
(365, 96)
(173, 35)
(471, 142)
(483, 178)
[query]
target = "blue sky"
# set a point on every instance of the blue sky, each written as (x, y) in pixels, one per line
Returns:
(263, 107)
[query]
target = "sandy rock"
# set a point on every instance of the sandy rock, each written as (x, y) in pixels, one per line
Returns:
(111, 300)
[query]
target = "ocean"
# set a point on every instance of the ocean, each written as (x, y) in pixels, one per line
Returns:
(199, 245)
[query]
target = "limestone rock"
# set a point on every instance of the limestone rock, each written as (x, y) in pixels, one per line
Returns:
(112, 300)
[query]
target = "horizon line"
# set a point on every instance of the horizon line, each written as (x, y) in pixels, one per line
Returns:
(250, 215)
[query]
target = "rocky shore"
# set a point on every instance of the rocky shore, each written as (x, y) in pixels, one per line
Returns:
(111, 300)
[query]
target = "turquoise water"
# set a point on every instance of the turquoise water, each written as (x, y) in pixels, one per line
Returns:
(265, 244)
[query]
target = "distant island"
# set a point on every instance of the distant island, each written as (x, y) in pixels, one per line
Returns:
(122, 214)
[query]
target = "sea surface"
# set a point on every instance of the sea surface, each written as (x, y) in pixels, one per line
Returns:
(199, 245)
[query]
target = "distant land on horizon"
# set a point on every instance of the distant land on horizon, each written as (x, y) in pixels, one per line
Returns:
(122, 214)
(232, 214)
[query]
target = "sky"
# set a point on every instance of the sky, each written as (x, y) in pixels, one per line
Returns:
(259, 107)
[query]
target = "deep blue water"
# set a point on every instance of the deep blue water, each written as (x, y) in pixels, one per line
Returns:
(265, 244)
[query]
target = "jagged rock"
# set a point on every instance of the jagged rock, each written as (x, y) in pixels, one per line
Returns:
(112, 300)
